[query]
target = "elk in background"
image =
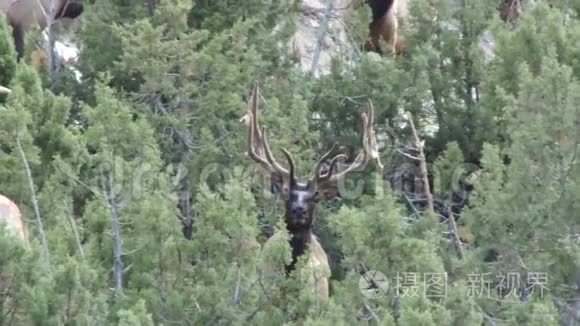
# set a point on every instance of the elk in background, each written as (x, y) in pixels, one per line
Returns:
(24, 15)
(11, 219)
(510, 11)
(384, 26)
(301, 198)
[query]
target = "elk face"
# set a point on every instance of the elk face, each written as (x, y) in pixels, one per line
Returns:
(300, 199)
(300, 204)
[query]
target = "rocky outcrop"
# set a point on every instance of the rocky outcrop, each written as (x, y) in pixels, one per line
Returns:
(322, 34)
(11, 218)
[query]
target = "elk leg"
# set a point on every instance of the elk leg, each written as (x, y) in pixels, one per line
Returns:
(372, 43)
(384, 28)
(18, 37)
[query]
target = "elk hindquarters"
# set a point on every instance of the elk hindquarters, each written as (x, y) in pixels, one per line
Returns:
(510, 11)
(383, 27)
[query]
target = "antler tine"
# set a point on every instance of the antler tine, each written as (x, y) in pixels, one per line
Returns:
(291, 164)
(254, 132)
(266, 146)
(373, 149)
(331, 167)
(369, 149)
(318, 166)
(362, 157)
(259, 149)
(270, 156)
(255, 156)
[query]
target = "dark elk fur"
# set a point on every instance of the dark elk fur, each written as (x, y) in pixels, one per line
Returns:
(301, 198)
(510, 11)
(23, 15)
(384, 26)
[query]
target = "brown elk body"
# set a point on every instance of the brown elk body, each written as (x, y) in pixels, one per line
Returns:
(385, 26)
(11, 217)
(23, 15)
(510, 11)
(300, 198)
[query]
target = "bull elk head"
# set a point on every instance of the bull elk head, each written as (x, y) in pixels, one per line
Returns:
(300, 198)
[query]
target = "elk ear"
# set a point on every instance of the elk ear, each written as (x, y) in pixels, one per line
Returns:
(327, 191)
(316, 198)
(331, 194)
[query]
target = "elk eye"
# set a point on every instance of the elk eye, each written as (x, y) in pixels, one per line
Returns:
(316, 197)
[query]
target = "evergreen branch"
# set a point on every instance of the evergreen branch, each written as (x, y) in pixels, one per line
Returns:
(39, 223)
(260, 306)
(13, 309)
(116, 234)
(128, 268)
(351, 99)
(69, 214)
(454, 233)
(565, 175)
(237, 290)
(349, 33)
(373, 314)
(415, 210)
(245, 294)
(131, 251)
(570, 312)
(415, 158)
(487, 317)
(422, 165)
(77, 180)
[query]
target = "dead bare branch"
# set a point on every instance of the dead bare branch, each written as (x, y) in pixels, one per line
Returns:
(454, 233)
(422, 165)
(373, 314)
(39, 223)
(116, 234)
(71, 220)
(415, 158)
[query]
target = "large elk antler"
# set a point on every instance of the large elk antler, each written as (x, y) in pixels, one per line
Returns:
(259, 149)
(327, 183)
